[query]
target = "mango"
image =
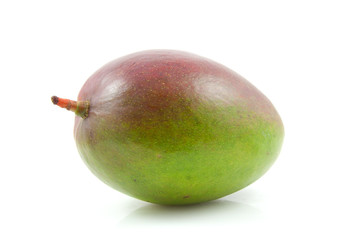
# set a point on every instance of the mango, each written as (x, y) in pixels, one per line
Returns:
(174, 128)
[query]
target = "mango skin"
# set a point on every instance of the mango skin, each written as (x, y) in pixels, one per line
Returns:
(174, 128)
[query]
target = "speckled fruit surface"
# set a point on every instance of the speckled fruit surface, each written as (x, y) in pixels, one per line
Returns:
(171, 127)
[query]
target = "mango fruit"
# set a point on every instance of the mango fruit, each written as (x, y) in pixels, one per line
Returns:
(174, 128)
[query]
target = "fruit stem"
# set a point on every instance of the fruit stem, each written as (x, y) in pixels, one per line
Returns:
(80, 108)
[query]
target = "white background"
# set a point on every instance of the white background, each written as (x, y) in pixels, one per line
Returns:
(290, 50)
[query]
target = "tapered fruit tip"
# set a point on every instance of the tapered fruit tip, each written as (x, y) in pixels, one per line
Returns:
(54, 99)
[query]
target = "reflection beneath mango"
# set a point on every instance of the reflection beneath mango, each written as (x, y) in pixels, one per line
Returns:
(213, 213)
